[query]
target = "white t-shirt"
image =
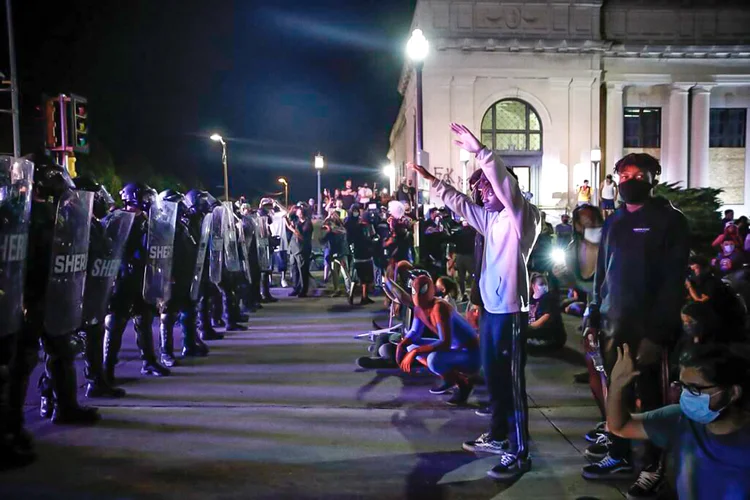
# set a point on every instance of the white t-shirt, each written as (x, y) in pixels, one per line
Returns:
(608, 191)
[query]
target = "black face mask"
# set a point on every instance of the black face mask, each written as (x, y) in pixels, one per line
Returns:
(635, 191)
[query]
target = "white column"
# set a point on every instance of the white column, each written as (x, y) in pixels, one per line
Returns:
(615, 123)
(676, 169)
(699, 135)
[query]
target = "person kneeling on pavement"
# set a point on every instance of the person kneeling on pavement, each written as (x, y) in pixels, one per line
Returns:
(454, 356)
(546, 329)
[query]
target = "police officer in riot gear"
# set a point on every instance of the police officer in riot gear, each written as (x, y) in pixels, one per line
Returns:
(264, 244)
(127, 300)
(15, 207)
(59, 217)
(200, 205)
(180, 308)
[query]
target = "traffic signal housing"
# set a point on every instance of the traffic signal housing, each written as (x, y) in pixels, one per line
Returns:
(52, 118)
(79, 113)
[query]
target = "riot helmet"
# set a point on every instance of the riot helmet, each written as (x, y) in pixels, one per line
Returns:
(50, 179)
(176, 197)
(197, 201)
(138, 195)
(103, 201)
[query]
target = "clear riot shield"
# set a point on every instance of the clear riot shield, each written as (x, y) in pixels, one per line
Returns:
(263, 241)
(231, 254)
(216, 255)
(195, 285)
(15, 208)
(106, 246)
(63, 311)
(244, 245)
(157, 281)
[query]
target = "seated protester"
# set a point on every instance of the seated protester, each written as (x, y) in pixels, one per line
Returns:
(360, 235)
(730, 259)
(575, 303)
(454, 356)
(720, 320)
(546, 328)
(447, 290)
(731, 233)
(708, 433)
(564, 232)
(701, 284)
(743, 228)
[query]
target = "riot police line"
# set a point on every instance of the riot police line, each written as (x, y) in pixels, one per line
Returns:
(74, 270)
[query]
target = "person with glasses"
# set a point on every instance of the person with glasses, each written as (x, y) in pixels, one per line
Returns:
(708, 432)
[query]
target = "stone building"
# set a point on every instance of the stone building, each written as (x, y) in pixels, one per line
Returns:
(547, 82)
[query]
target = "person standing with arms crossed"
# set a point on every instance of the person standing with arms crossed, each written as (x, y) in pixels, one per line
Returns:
(608, 195)
(510, 225)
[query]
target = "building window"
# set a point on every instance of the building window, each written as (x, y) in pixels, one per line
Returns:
(642, 128)
(727, 129)
(512, 126)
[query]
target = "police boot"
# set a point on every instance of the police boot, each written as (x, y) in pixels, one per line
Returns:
(192, 346)
(46, 395)
(65, 388)
(97, 386)
(16, 448)
(232, 308)
(145, 341)
(114, 327)
(266, 289)
(206, 330)
(166, 340)
(26, 358)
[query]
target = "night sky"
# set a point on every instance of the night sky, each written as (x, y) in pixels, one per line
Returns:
(282, 80)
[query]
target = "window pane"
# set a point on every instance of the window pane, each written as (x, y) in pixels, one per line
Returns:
(511, 142)
(487, 120)
(487, 140)
(651, 127)
(510, 115)
(642, 128)
(535, 142)
(727, 128)
(534, 121)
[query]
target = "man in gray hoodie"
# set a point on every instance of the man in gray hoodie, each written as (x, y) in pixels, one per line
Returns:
(510, 225)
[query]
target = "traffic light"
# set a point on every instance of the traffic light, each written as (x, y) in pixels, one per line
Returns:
(80, 124)
(52, 118)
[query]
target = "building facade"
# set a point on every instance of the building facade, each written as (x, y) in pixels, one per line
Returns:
(547, 82)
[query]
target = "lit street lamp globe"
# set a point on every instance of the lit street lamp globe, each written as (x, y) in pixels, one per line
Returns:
(417, 46)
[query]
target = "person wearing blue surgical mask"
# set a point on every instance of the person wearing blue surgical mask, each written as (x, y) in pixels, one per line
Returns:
(708, 433)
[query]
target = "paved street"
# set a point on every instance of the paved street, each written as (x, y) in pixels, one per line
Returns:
(282, 411)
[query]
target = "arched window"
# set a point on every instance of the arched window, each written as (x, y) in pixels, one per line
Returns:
(512, 126)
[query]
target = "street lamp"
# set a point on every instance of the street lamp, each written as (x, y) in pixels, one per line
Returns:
(286, 191)
(416, 50)
(596, 159)
(319, 165)
(390, 172)
(464, 156)
(218, 138)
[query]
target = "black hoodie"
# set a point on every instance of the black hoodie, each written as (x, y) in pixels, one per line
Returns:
(639, 287)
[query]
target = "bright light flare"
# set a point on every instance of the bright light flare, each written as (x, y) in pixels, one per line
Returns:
(558, 256)
(417, 46)
(319, 162)
(281, 180)
(389, 171)
(217, 138)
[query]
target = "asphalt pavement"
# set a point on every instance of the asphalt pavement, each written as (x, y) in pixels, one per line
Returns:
(282, 411)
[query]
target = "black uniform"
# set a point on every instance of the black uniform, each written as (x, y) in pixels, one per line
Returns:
(209, 293)
(127, 302)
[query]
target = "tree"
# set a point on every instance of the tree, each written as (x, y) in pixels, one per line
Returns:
(701, 208)
(100, 166)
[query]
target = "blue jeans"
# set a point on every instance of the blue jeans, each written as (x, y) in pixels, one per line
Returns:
(442, 362)
(503, 346)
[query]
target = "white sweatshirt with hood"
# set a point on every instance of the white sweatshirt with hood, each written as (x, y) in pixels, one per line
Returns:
(509, 235)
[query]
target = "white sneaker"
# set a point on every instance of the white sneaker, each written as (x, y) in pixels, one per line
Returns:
(486, 445)
(284, 284)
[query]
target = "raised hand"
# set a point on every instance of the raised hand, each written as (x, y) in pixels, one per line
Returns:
(465, 139)
(624, 370)
(423, 172)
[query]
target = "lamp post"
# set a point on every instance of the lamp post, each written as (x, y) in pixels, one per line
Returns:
(416, 49)
(596, 159)
(286, 191)
(218, 138)
(390, 172)
(319, 165)
(464, 156)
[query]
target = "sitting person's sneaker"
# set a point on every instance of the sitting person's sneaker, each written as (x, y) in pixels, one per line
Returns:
(608, 468)
(510, 467)
(444, 387)
(461, 394)
(650, 483)
(484, 411)
(593, 435)
(485, 444)
(600, 448)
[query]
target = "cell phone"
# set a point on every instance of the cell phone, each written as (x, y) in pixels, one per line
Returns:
(372, 206)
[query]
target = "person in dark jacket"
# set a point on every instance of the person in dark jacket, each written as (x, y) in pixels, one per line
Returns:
(360, 235)
(300, 247)
(639, 289)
